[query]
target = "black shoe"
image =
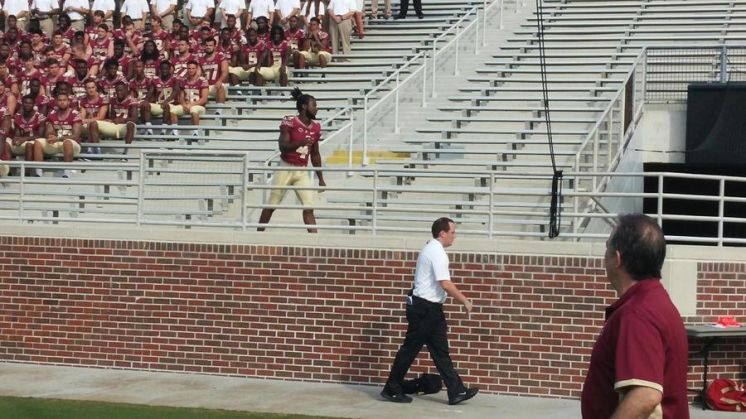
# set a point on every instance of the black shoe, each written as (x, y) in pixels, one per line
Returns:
(396, 397)
(463, 396)
(420, 16)
(400, 16)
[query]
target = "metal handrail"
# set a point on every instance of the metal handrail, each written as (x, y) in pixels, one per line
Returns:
(482, 202)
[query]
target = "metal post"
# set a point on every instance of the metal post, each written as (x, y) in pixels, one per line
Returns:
(432, 64)
(609, 140)
(458, 36)
(22, 190)
(492, 202)
(723, 64)
(364, 161)
(244, 193)
(644, 75)
(721, 212)
(352, 128)
(476, 32)
(595, 158)
(660, 200)
(141, 188)
(502, 5)
(575, 198)
(375, 200)
(396, 104)
(424, 78)
(484, 24)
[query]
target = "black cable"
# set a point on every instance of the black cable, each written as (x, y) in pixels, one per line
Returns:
(555, 209)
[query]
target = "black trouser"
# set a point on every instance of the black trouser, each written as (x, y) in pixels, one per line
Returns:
(427, 325)
(404, 6)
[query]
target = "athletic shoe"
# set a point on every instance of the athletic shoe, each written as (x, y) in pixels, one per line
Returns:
(38, 172)
(463, 396)
(66, 174)
(396, 397)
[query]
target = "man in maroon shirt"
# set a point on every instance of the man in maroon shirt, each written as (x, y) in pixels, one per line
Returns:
(29, 124)
(193, 97)
(121, 117)
(639, 362)
(299, 140)
(215, 69)
(62, 134)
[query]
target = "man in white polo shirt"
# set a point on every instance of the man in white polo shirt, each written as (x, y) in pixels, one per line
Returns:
(45, 11)
(427, 323)
(106, 6)
(19, 9)
(199, 12)
(76, 10)
(341, 13)
(137, 10)
(165, 9)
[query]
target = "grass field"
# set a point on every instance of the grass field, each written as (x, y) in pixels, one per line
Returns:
(31, 408)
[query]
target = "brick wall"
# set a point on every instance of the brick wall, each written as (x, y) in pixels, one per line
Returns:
(310, 313)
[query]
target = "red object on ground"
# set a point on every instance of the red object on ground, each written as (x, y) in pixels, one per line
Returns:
(726, 395)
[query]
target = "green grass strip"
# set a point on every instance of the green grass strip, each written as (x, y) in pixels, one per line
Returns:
(34, 408)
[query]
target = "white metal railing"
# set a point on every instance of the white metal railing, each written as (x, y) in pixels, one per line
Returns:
(465, 25)
(420, 62)
(604, 145)
(374, 204)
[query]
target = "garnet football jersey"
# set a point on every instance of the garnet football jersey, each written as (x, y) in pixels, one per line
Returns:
(211, 67)
(93, 106)
(163, 89)
(30, 127)
(278, 53)
(141, 87)
(121, 109)
(63, 122)
(192, 89)
(252, 53)
(298, 132)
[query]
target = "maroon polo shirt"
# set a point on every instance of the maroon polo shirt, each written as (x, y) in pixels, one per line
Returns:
(643, 343)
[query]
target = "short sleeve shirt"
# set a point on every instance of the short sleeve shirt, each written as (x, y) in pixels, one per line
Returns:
(259, 8)
(28, 127)
(643, 343)
(63, 123)
(432, 267)
(252, 53)
(193, 89)
(198, 8)
(299, 132)
(93, 106)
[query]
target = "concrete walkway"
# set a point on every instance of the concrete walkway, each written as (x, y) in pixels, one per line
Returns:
(231, 393)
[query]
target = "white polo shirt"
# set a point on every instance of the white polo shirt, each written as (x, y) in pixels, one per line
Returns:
(432, 267)
(341, 7)
(162, 5)
(261, 8)
(136, 9)
(45, 6)
(75, 16)
(286, 6)
(103, 5)
(13, 7)
(198, 8)
(232, 7)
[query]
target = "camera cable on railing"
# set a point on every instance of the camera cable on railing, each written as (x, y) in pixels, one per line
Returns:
(555, 208)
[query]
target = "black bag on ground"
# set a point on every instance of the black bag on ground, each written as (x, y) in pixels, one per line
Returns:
(424, 384)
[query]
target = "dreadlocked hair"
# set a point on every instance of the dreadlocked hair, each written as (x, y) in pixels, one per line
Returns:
(300, 98)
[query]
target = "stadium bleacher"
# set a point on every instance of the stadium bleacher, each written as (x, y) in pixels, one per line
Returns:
(487, 117)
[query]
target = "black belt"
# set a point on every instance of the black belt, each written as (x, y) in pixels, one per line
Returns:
(419, 300)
